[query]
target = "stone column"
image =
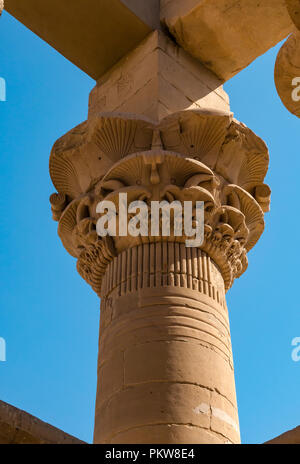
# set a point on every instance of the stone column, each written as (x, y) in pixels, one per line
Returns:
(165, 361)
(165, 371)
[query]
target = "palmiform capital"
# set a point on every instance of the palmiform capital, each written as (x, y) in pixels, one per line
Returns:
(201, 155)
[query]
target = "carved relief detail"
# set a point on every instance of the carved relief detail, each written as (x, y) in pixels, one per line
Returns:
(163, 264)
(194, 155)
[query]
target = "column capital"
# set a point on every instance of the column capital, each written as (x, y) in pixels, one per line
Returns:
(202, 155)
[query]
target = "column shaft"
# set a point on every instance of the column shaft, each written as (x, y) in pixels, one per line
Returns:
(165, 371)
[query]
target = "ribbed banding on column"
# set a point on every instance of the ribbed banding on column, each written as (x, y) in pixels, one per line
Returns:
(163, 264)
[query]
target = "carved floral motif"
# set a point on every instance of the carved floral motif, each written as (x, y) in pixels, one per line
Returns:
(193, 155)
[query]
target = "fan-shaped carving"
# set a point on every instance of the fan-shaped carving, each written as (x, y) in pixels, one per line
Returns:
(118, 136)
(66, 227)
(196, 134)
(232, 150)
(130, 172)
(182, 170)
(72, 139)
(244, 158)
(254, 216)
(64, 176)
(62, 169)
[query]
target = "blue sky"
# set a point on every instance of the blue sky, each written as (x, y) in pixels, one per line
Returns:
(49, 316)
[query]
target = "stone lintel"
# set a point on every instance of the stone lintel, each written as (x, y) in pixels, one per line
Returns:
(226, 35)
(158, 78)
(19, 427)
(92, 34)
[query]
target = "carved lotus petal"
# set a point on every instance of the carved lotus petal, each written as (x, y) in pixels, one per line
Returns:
(88, 152)
(67, 223)
(243, 158)
(254, 216)
(196, 133)
(120, 135)
(134, 193)
(188, 194)
(234, 218)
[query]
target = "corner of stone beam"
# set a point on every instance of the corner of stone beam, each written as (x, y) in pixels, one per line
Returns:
(156, 79)
(226, 39)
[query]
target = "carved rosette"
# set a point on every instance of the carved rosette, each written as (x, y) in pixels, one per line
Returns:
(192, 155)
